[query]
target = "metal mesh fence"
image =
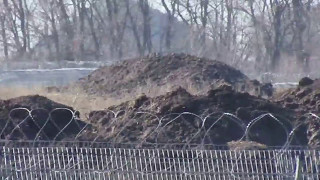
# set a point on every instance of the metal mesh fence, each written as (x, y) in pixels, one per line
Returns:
(154, 164)
(32, 146)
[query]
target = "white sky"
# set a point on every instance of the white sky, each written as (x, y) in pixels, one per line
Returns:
(156, 4)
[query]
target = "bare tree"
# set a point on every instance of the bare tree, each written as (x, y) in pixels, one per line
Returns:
(4, 32)
(78, 18)
(67, 28)
(49, 14)
(90, 18)
(263, 31)
(19, 14)
(12, 24)
(299, 29)
(134, 27)
(171, 12)
(147, 37)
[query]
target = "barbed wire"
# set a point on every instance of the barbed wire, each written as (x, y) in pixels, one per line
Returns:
(39, 154)
(62, 124)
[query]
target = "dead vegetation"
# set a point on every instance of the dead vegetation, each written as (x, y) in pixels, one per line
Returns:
(77, 99)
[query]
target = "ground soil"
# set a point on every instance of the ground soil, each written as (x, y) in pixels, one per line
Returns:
(156, 75)
(17, 123)
(162, 120)
(303, 100)
(126, 124)
(175, 99)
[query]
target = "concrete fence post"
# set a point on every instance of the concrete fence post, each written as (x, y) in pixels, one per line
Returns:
(298, 172)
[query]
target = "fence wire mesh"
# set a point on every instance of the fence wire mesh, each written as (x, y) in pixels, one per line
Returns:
(154, 164)
(40, 153)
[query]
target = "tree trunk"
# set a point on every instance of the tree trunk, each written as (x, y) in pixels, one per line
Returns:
(229, 6)
(55, 34)
(82, 12)
(28, 37)
(93, 33)
(23, 27)
(111, 28)
(170, 14)
(67, 28)
(275, 57)
(4, 36)
(134, 29)
(204, 20)
(145, 10)
(299, 29)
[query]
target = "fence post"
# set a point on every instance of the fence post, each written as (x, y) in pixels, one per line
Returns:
(298, 173)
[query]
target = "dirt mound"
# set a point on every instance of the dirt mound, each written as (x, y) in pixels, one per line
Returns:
(155, 75)
(167, 122)
(304, 99)
(18, 122)
(176, 117)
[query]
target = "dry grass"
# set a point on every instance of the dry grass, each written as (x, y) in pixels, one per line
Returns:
(246, 145)
(78, 100)
(85, 103)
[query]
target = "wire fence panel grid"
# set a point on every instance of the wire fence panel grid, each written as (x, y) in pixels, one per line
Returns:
(155, 164)
(41, 152)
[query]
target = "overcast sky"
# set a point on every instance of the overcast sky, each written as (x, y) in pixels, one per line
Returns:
(157, 4)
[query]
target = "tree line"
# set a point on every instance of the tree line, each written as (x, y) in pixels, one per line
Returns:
(264, 32)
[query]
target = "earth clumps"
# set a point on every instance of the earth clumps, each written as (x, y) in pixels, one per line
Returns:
(306, 81)
(156, 75)
(36, 117)
(305, 101)
(179, 117)
(174, 99)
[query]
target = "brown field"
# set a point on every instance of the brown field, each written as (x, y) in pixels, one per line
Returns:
(78, 100)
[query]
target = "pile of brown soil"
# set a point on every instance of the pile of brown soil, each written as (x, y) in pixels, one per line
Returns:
(176, 117)
(17, 123)
(156, 75)
(195, 93)
(127, 123)
(304, 99)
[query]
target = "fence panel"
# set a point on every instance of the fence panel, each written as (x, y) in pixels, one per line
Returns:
(155, 164)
